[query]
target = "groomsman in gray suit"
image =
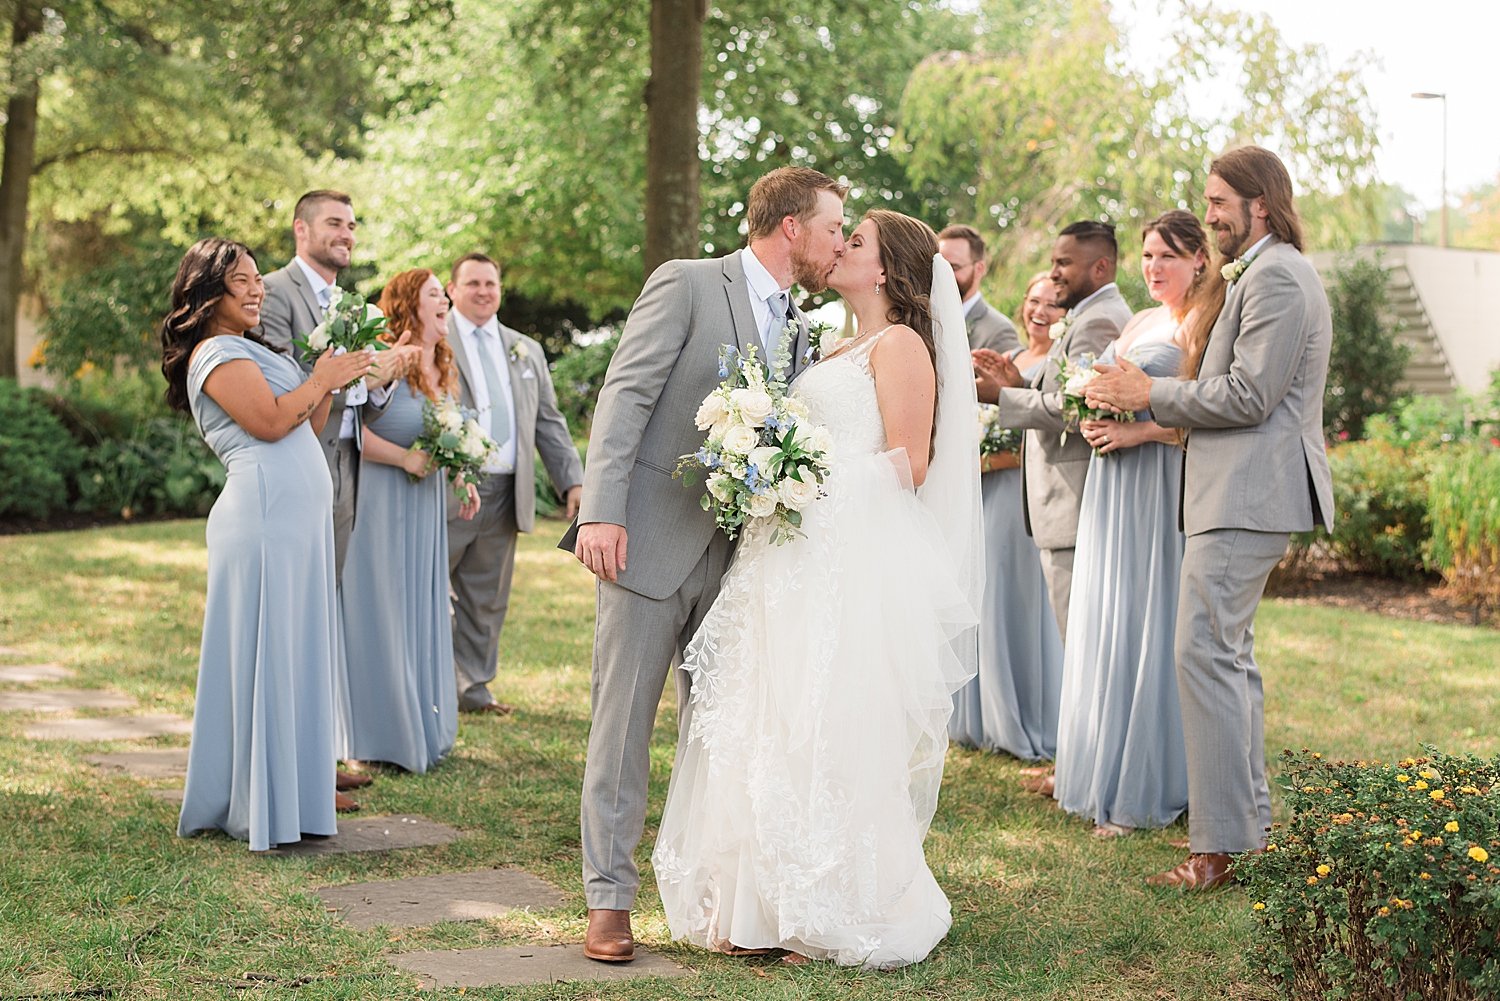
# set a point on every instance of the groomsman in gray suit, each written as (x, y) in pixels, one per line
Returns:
(963, 248)
(503, 376)
(1054, 469)
(651, 601)
(1255, 471)
(323, 227)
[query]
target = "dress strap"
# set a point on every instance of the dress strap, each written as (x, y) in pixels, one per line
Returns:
(860, 353)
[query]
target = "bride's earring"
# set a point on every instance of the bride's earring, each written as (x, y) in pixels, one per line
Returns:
(877, 288)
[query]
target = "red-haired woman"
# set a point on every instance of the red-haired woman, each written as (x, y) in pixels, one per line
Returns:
(397, 637)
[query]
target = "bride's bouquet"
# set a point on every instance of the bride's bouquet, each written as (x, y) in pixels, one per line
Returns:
(995, 440)
(452, 436)
(349, 324)
(762, 457)
(1075, 378)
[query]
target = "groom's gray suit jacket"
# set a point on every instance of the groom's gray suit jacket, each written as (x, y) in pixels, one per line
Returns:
(667, 362)
(1255, 455)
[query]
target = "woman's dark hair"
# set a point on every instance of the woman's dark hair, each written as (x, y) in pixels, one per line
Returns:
(196, 290)
(907, 247)
(1184, 234)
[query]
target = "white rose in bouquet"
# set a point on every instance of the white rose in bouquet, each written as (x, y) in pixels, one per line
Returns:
(713, 411)
(451, 419)
(741, 439)
(318, 339)
(754, 405)
(719, 485)
(797, 494)
(818, 440)
(764, 457)
(763, 505)
(335, 296)
(1077, 383)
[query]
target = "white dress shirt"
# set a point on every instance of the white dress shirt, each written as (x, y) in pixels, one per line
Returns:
(486, 338)
(762, 287)
(968, 303)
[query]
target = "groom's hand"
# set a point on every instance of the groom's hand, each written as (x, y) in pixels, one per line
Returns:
(601, 548)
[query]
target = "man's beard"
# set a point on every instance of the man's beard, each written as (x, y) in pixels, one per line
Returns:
(1231, 239)
(1067, 298)
(964, 291)
(811, 275)
(324, 255)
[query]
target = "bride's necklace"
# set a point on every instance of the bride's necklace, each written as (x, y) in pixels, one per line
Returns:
(857, 341)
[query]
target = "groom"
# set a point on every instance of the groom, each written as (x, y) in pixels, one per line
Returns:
(667, 362)
(1255, 470)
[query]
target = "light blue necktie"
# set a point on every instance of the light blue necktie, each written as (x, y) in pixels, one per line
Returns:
(779, 307)
(499, 412)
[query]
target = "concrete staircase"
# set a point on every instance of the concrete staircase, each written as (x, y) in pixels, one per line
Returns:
(1427, 371)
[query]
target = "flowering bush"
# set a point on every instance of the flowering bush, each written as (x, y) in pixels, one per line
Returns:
(1382, 885)
(1464, 511)
(763, 458)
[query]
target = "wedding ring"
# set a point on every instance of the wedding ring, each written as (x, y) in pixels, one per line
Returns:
(1104, 439)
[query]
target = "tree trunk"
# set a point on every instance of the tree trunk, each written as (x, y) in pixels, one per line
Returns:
(15, 187)
(672, 130)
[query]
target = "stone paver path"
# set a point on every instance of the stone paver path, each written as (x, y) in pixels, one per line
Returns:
(110, 728)
(374, 834)
(9, 651)
(167, 763)
(454, 896)
(63, 699)
(527, 964)
(23, 674)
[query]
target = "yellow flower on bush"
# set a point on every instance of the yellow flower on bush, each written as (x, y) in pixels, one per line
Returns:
(1479, 854)
(1323, 870)
(1436, 794)
(1425, 876)
(1258, 907)
(1419, 784)
(1451, 827)
(1403, 778)
(1384, 911)
(1311, 880)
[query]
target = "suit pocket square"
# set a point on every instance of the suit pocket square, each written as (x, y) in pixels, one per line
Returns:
(528, 374)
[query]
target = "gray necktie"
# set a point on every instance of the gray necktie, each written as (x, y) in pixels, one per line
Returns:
(779, 306)
(499, 412)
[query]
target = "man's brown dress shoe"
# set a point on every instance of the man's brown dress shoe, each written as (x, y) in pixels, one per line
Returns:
(348, 780)
(495, 709)
(609, 938)
(1204, 871)
(343, 804)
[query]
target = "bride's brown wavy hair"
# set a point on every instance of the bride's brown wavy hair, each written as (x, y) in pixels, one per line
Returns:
(907, 247)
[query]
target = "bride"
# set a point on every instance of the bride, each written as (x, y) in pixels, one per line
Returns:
(823, 676)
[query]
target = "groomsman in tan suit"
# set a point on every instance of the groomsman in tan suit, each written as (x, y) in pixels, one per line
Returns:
(1053, 469)
(1255, 471)
(963, 248)
(503, 375)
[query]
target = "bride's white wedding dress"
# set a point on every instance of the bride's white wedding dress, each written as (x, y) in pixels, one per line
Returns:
(823, 679)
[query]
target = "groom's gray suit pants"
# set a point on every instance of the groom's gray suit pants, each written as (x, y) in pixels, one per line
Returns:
(1224, 573)
(629, 675)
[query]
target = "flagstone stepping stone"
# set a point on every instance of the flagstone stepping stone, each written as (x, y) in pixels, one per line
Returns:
(62, 699)
(9, 651)
(453, 896)
(27, 673)
(374, 834)
(110, 728)
(167, 763)
(527, 964)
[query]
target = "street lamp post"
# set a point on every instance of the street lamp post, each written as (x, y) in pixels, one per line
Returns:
(1423, 96)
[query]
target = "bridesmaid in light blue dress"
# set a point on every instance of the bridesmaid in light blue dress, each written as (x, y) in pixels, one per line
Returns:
(261, 765)
(1011, 705)
(397, 634)
(1121, 761)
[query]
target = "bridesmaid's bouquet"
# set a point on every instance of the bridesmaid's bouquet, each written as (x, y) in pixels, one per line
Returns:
(762, 457)
(349, 324)
(994, 439)
(452, 436)
(1075, 378)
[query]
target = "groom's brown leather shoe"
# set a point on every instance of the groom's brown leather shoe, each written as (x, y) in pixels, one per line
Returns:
(1204, 871)
(609, 938)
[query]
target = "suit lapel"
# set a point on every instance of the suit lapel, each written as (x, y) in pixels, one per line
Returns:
(461, 358)
(799, 350)
(738, 291)
(309, 297)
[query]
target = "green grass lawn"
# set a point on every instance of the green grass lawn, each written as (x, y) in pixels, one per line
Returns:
(98, 896)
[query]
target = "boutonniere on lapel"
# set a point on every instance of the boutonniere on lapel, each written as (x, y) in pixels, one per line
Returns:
(1058, 329)
(1234, 269)
(821, 338)
(519, 352)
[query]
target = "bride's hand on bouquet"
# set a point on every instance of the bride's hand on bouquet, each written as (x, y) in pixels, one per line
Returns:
(469, 508)
(418, 463)
(333, 371)
(1109, 436)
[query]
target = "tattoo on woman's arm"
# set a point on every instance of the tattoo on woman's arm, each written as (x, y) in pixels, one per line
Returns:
(305, 414)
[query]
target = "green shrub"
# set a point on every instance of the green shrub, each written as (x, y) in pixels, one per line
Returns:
(1420, 421)
(37, 455)
(1381, 886)
(1366, 361)
(1380, 499)
(578, 376)
(1464, 512)
(164, 467)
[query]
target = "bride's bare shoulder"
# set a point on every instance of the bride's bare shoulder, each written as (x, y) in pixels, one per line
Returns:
(901, 342)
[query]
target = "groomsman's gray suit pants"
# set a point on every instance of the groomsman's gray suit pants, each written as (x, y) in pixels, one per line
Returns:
(1223, 576)
(1057, 571)
(344, 468)
(629, 675)
(481, 562)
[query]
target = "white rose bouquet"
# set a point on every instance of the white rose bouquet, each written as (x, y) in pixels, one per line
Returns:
(349, 324)
(762, 457)
(1075, 378)
(456, 442)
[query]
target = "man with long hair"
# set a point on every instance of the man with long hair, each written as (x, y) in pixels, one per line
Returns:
(1255, 470)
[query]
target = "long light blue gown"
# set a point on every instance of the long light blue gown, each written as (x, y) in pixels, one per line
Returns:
(1012, 703)
(261, 766)
(398, 640)
(1120, 753)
